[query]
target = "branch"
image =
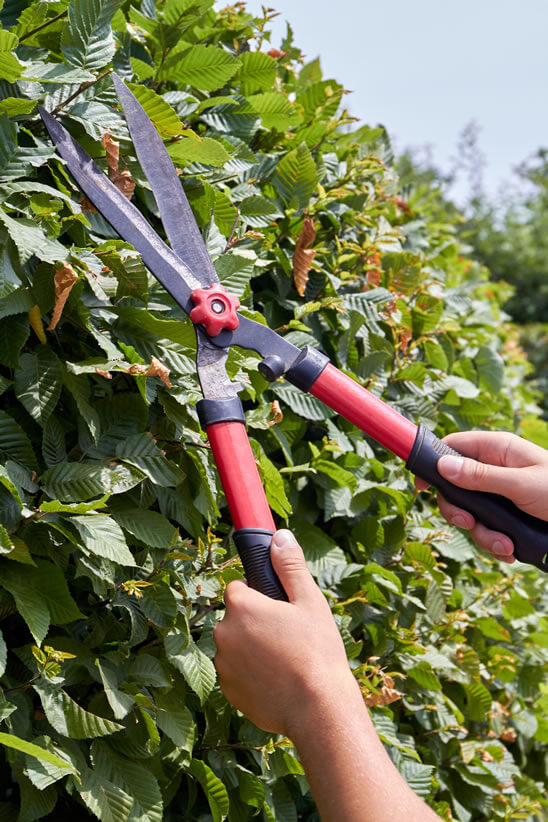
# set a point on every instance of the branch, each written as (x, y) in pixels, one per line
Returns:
(82, 88)
(44, 25)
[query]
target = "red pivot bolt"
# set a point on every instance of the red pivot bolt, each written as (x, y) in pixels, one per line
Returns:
(215, 309)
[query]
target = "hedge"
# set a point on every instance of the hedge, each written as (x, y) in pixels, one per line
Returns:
(115, 539)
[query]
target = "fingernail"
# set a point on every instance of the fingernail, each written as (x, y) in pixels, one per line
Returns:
(499, 547)
(459, 521)
(283, 538)
(452, 466)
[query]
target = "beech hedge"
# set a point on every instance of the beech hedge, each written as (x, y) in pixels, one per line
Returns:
(115, 538)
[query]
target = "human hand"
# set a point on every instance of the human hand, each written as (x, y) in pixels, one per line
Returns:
(277, 661)
(501, 463)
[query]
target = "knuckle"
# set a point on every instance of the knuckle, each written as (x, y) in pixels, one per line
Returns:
(478, 471)
(234, 593)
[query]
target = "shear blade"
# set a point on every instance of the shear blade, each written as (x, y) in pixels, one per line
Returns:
(177, 217)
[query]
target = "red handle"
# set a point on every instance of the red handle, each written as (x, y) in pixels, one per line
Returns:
(358, 405)
(239, 476)
(248, 505)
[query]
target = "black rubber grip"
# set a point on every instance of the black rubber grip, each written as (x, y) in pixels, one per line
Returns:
(253, 546)
(529, 534)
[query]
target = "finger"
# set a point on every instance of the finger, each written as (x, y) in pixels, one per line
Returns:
(290, 565)
(456, 516)
(497, 448)
(498, 545)
(420, 484)
(479, 476)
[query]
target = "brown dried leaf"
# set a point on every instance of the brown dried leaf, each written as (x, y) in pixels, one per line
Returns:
(385, 697)
(121, 179)
(106, 374)
(125, 183)
(405, 338)
(277, 413)
(157, 369)
(136, 368)
(303, 256)
(112, 149)
(64, 279)
(276, 53)
(374, 271)
(87, 205)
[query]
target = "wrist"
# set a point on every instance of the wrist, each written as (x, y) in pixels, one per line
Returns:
(324, 701)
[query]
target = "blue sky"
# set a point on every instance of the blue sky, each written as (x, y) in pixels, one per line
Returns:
(425, 68)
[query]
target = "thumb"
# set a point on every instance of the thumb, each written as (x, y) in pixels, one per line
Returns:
(480, 476)
(289, 563)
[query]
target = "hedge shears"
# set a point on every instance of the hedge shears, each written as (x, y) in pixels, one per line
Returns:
(186, 271)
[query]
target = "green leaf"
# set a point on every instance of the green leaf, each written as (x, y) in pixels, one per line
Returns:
(3, 654)
(10, 67)
(29, 748)
(236, 270)
(107, 801)
(148, 526)
(175, 720)
(143, 453)
(492, 629)
(50, 583)
(274, 109)
(303, 404)
(134, 778)
(30, 601)
(165, 118)
(535, 430)
(56, 507)
(6, 545)
(73, 481)
(196, 149)
(258, 212)
(102, 536)
(425, 676)
(490, 367)
(53, 442)
(87, 41)
(257, 72)
(14, 331)
(320, 550)
(14, 443)
(435, 602)
(179, 331)
(16, 106)
(213, 788)
(38, 382)
(204, 67)
(296, 178)
(274, 487)
(197, 669)
(59, 73)
(120, 702)
(159, 605)
(31, 240)
(68, 718)
(479, 701)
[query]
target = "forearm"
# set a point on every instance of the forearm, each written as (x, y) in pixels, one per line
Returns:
(350, 774)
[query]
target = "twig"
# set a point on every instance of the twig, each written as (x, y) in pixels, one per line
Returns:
(44, 25)
(229, 242)
(83, 87)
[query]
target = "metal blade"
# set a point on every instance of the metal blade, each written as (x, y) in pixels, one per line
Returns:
(211, 365)
(181, 227)
(167, 267)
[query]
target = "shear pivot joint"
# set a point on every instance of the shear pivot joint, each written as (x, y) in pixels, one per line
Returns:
(215, 309)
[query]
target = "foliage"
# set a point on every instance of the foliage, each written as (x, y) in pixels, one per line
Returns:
(115, 537)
